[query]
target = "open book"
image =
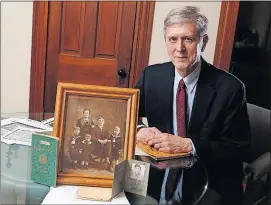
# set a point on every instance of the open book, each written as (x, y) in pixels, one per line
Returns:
(157, 155)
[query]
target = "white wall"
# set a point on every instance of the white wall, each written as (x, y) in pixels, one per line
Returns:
(16, 37)
(158, 52)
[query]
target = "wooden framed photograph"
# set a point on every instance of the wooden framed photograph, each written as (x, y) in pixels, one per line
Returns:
(96, 126)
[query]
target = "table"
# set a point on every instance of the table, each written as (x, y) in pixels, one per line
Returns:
(18, 188)
(195, 178)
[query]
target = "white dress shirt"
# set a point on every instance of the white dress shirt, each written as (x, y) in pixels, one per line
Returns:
(190, 82)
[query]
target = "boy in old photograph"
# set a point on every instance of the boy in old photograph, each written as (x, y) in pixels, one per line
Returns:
(85, 123)
(74, 146)
(115, 146)
(86, 150)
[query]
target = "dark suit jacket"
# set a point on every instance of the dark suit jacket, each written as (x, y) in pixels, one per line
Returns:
(219, 125)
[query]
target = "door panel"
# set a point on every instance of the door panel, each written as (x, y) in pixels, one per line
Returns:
(72, 31)
(107, 30)
(88, 42)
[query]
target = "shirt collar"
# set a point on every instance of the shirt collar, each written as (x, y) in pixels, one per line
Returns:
(190, 80)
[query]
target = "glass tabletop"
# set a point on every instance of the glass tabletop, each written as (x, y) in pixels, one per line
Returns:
(16, 184)
(18, 188)
(195, 177)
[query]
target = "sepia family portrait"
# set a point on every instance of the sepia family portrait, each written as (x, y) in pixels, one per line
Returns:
(93, 134)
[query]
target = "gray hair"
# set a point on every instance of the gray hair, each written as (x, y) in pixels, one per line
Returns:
(188, 13)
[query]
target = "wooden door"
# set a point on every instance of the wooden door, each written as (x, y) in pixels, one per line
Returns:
(88, 43)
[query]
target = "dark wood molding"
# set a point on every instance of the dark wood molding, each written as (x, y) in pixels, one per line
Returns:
(142, 39)
(38, 56)
(140, 53)
(225, 35)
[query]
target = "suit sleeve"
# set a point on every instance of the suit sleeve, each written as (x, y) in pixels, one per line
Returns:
(94, 134)
(234, 135)
(141, 112)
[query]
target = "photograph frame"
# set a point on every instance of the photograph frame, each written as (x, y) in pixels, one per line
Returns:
(64, 92)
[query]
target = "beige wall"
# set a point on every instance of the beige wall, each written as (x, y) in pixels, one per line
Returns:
(16, 34)
(158, 51)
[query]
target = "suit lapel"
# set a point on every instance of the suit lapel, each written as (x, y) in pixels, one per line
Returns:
(203, 98)
(165, 93)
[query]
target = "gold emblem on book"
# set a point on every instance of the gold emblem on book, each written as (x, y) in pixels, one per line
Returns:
(43, 159)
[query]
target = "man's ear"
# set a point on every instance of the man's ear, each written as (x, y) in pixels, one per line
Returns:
(204, 42)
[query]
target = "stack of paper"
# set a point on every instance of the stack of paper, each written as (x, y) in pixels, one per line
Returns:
(19, 131)
(64, 194)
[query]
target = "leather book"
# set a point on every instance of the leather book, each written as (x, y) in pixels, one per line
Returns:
(158, 155)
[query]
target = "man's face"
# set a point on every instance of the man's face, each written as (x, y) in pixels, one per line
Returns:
(183, 45)
(101, 122)
(137, 170)
(86, 113)
(116, 130)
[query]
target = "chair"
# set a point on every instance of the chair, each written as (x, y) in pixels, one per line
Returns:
(257, 169)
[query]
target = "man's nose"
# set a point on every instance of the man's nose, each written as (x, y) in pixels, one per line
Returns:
(180, 45)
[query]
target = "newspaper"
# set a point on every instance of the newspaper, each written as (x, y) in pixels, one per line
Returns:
(48, 122)
(19, 131)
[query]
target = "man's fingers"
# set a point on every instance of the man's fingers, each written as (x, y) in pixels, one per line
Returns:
(157, 146)
(155, 141)
(163, 144)
(164, 149)
(149, 137)
(155, 130)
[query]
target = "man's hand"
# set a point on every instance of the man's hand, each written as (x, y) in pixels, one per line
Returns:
(165, 142)
(146, 134)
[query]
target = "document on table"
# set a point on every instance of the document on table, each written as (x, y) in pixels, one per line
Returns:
(65, 194)
(19, 131)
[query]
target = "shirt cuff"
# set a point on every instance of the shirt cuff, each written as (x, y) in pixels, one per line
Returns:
(193, 152)
(140, 126)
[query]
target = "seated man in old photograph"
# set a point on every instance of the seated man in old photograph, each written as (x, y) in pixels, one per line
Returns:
(100, 136)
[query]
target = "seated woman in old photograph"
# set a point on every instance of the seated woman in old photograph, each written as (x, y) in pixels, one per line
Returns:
(85, 123)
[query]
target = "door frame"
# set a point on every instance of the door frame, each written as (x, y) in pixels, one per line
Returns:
(140, 51)
(225, 34)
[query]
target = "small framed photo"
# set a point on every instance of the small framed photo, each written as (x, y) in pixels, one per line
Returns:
(137, 171)
(96, 126)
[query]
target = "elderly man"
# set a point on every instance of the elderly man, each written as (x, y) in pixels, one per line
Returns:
(191, 106)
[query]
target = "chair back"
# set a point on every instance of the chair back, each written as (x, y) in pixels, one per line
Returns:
(260, 131)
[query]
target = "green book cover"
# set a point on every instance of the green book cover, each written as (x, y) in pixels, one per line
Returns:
(44, 158)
